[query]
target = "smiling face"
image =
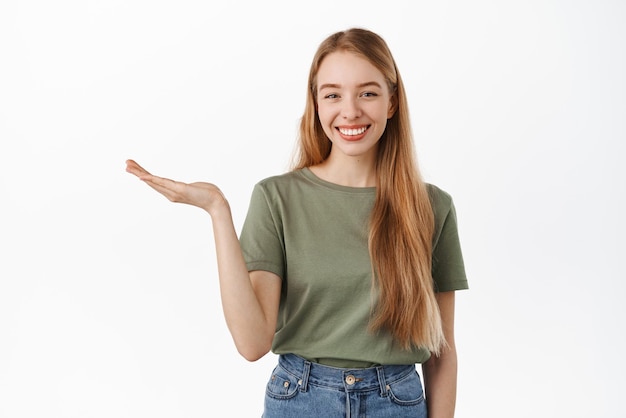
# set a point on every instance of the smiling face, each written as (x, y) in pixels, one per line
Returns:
(353, 103)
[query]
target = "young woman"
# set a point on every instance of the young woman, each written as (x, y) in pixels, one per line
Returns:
(346, 266)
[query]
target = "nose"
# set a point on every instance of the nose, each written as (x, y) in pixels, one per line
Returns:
(351, 109)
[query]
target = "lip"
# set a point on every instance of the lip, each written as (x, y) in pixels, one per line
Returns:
(353, 136)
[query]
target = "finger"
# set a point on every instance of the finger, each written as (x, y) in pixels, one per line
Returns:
(169, 194)
(162, 190)
(134, 168)
(171, 189)
(163, 182)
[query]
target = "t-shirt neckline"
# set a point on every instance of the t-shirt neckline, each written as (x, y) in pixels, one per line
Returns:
(306, 172)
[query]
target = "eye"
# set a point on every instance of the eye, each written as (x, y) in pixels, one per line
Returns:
(369, 94)
(331, 96)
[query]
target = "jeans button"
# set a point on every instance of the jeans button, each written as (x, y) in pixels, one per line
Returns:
(350, 379)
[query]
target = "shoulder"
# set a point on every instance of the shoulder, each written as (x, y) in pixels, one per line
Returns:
(288, 186)
(280, 183)
(280, 180)
(440, 200)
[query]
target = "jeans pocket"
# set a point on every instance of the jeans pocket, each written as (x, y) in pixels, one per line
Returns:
(282, 384)
(407, 391)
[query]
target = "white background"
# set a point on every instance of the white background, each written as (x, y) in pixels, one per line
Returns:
(109, 302)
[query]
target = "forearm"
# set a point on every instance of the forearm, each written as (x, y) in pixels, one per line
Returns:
(250, 311)
(249, 326)
(440, 380)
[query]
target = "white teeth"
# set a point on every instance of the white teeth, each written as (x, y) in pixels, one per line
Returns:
(353, 131)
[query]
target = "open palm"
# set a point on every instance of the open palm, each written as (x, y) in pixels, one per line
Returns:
(201, 194)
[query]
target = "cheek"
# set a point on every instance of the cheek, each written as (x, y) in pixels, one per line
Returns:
(384, 111)
(326, 121)
(326, 118)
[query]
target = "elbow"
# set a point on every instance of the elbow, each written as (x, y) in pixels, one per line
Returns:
(252, 354)
(253, 351)
(252, 357)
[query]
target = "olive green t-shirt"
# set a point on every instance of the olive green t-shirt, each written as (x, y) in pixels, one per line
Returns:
(313, 234)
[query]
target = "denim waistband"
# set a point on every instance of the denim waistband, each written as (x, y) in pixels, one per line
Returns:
(339, 378)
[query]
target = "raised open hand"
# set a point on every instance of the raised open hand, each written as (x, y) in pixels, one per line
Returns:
(206, 196)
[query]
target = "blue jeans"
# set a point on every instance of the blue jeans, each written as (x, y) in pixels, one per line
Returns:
(299, 389)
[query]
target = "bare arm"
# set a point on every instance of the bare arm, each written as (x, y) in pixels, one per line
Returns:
(250, 300)
(440, 373)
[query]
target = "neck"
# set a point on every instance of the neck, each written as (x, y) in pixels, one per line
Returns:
(358, 171)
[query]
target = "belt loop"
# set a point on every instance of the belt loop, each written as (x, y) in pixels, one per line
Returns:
(305, 376)
(381, 381)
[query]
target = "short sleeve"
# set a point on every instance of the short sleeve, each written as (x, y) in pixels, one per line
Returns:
(261, 237)
(448, 268)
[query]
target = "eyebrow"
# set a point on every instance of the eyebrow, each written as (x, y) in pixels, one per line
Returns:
(336, 86)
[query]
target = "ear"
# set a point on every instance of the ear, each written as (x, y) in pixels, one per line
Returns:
(393, 106)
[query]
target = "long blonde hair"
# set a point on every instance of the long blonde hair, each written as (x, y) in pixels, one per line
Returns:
(402, 221)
